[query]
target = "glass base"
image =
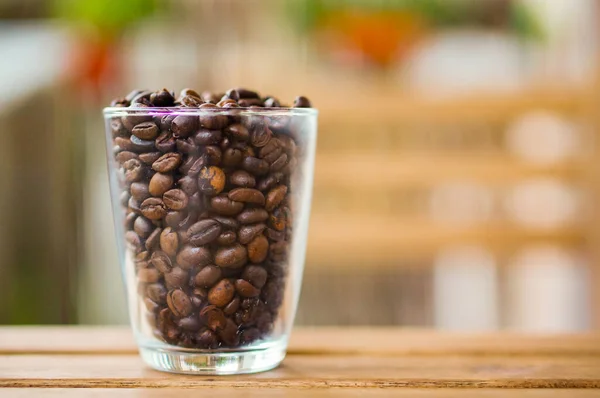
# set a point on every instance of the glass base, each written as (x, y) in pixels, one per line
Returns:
(213, 363)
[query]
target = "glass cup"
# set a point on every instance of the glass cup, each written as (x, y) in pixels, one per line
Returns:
(211, 211)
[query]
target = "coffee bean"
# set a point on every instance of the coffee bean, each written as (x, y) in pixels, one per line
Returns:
(231, 257)
(222, 293)
(188, 185)
(229, 333)
(157, 293)
(260, 136)
(208, 276)
(190, 256)
(134, 205)
(232, 94)
(117, 129)
(178, 277)
(151, 306)
(204, 232)
(153, 240)
(153, 208)
(227, 238)
(224, 206)
(190, 101)
(173, 218)
(161, 261)
(210, 120)
(245, 288)
(207, 137)
(167, 162)
(301, 102)
(242, 178)
(124, 156)
(143, 227)
(271, 151)
(279, 163)
(247, 195)
(139, 191)
(245, 93)
(207, 339)
(252, 216)
(141, 98)
(227, 222)
(256, 275)
(211, 180)
(165, 142)
(134, 171)
(148, 275)
(269, 181)
(129, 220)
(213, 155)
(211, 98)
(186, 145)
(189, 218)
(160, 183)
(130, 121)
(232, 157)
(258, 249)
(248, 102)
(255, 165)
(139, 145)
(249, 336)
(237, 132)
(277, 219)
(175, 199)
(162, 98)
(184, 125)
(248, 232)
(275, 235)
(145, 131)
(275, 197)
(166, 121)
(189, 324)
(188, 91)
(213, 317)
(169, 241)
(149, 157)
(179, 303)
(271, 102)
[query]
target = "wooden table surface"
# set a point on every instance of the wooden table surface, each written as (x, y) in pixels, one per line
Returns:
(61, 361)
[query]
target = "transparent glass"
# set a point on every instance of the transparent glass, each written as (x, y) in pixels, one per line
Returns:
(211, 210)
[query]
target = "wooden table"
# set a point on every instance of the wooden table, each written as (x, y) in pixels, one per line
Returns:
(345, 362)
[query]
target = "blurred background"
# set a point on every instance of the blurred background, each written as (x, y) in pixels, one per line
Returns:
(457, 174)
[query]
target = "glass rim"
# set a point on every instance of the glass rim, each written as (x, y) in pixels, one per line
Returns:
(113, 111)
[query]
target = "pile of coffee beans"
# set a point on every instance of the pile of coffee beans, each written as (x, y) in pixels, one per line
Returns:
(208, 212)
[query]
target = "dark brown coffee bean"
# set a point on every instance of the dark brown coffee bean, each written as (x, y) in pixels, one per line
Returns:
(279, 163)
(189, 324)
(196, 202)
(213, 155)
(277, 219)
(175, 199)
(271, 151)
(255, 165)
(247, 195)
(190, 256)
(224, 206)
(232, 157)
(213, 317)
(148, 275)
(153, 240)
(301, 102)
(186, 145)
(226, 238)
(165, 122)
(142, 256)
(248, 232)
(124, 143)
(162, 98)
(169, 241)
(134, 205)
(189, 218)
(269, 181)
(204, 232)
(141, 98)
(130, 121)
(256, 275)
(178, 277)
(271, 102)
(207, 339)
(149, 157)
(134, 171)
(258, 249)
(165, 142)
(211, 98)
(153, 208)
(179, 303)
(212, 120)
(151, 306)
(129, 220)
(173, 218)
(167, 162)
(246, 289)
(237, 132)
(249, 336)
(227, 222)
(124, 156)
(161, 261)
(184, 125)
(134, 241)
(232, 94)
(275, 197)
(275, 235)
(208, 276)
(117, 129)
(145, 131)
(242, 178)
(260, 136)
(160, 183)
(188, 91)
(252, 216)
(143, 227)
(229, 334)
(207, 137)
(232, 307)
(248, 102)
(211, 180)
(231, 257)
(222, 293)
(245, 93)
(138, 145)
(157, 293)
(188, 185)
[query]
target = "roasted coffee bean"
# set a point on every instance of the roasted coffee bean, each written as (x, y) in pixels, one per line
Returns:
(279, 163)
(234, 256)
(143, 97)
(160, 183)
(173, 218)
(148, 275)
(190, 101)
(143, 227)
(188, 91)
(184, 125)
(248, 102)
(178, 277)
(232, 157)
(249, 336)
(189, 324)
(157, 293)
(124, 156)
(271, 102)
(167, 162)
(213, 154)
(151, 306)
(258, 249)
(134, 205)
(153, 240)
(130, 121)
(133, 240)
(275, 197)
(195, 202)
(252, 216)
(162, 98)
(145, 131)
(179, 303)
(224, 206)
(211, 180)
(207, 339)
(247, 233)
(117, 129)
(242, 178)
(138, 145)
(228, 334)
(153, 208)
(190, 256)
(204, 232)
(232, 307)
(139, 191)
(129, 220)
(246, 289)
(227, 222)
(275, 235)
(186, 145)
(169, 241)
(207, 276)
(161, 261)
(256, 275)
(210, 120)
(211, 98)
(232, 94)
(255, 165)
(213, 317)
(245, 93)
(247, 195)
(260, 136)
(166, 121)
(149, 157)
(226, 238)
(207, 137)
(269, 181)
(301, 102)
(237, 132)
(189, 218)
(188, 185)
(165, 142)
(222, 293)
(277, 219)
(134, 171)
(175, 199)
(271, 151)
